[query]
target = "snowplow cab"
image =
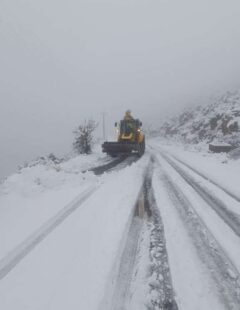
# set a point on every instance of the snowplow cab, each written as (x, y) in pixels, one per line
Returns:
(130, 139)
(129, 130)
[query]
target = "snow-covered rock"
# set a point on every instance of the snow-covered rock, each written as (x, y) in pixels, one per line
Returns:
(216, 122)
(235, 154)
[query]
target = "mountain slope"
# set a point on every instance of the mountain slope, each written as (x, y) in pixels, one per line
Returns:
(218, 121)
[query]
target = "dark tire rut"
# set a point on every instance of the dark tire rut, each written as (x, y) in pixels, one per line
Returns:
(161, 289)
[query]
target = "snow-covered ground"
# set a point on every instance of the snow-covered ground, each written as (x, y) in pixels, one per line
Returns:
(29, 197)
(217, 167)
(70, 268)
(74, 240)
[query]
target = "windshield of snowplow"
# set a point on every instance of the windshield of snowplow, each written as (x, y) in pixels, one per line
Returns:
(128, 126)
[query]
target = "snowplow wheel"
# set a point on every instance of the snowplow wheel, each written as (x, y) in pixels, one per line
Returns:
(141, 148)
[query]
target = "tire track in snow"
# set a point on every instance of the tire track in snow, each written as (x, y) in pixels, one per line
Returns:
(225, 190)
(124, 279)
(161, 293)
(228, 192)
(230, 218)
(222, 270)
(21, 251)
(161, 288)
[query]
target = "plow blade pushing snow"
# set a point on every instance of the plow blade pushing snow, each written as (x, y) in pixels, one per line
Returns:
(117, 148)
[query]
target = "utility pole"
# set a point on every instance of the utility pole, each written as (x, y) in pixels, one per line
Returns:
(104, 128)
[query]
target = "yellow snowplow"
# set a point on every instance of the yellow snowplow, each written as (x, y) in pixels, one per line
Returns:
(130, 139)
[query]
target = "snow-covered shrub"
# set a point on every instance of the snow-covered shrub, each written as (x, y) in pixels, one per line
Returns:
(84, 137)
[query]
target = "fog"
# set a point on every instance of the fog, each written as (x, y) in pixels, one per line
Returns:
(65, 61)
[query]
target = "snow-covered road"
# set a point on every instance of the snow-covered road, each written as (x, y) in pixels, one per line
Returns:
(203, 248)
(67, 266)
(158, 233)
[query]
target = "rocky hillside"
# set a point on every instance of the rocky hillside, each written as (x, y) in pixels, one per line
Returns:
(217, 122)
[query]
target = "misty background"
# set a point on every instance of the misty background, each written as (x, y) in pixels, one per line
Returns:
(65, 61)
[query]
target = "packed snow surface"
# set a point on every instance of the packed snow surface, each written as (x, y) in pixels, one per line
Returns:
(66, 233)
(70, 268)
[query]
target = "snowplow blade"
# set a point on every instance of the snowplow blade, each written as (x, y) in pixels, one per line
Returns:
(115, 148)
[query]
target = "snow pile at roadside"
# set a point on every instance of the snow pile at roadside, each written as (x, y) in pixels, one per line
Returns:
(216, 122)
(45, 174)
(29, 197)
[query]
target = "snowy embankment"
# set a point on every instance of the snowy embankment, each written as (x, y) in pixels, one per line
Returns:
(71, 268)
(30, 197)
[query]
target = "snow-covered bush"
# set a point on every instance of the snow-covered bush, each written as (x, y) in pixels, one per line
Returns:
(84, 137)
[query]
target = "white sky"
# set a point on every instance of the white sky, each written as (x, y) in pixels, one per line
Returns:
(63, 61)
